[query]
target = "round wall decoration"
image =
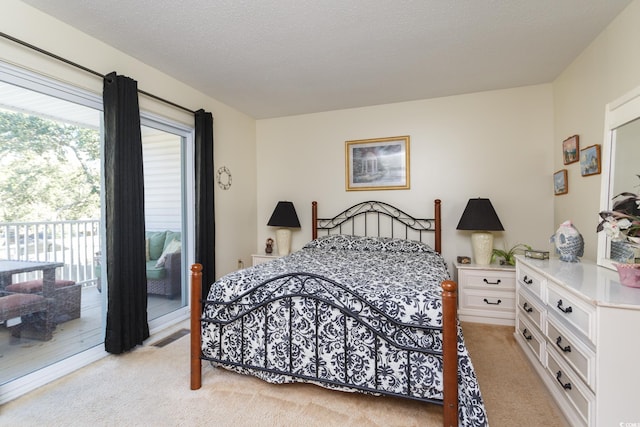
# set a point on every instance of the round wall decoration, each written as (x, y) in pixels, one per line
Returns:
(223, 177)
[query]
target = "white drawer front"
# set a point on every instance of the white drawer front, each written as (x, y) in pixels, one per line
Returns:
(531, 309)
(488, 279)
(573, 351)
(569, 385)
(486, 300)
(572, 310)
(531, 336)
(530, 280)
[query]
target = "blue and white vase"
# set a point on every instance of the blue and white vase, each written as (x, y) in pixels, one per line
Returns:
(569, 242)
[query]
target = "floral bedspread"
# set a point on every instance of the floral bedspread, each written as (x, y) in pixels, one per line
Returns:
(344, 277)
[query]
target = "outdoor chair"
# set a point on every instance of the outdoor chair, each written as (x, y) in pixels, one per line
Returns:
(67, 297)
(35, 312)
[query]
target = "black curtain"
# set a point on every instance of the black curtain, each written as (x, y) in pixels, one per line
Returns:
(205, 223)
(124, 202)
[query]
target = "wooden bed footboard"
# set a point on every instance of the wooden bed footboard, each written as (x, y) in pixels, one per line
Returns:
(196, 314)
(450, 354)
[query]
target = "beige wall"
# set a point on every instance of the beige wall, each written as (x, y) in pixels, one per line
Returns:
(492, 144)
(606, 70)
(234, 132)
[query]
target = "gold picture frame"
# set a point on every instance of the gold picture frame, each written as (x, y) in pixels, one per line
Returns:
(377, 164)
(560, 184)
(571, 149)
(590, 160)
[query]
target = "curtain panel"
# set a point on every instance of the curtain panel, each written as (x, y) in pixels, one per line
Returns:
(204, 180)
(127, 324)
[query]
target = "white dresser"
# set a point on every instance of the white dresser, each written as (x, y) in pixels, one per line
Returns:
(581, 330)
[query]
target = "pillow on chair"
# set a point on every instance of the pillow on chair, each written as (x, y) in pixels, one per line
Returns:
(173, 246)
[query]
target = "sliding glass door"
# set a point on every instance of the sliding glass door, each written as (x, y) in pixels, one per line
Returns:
(50, 211)
(164, 149)
(50, 138)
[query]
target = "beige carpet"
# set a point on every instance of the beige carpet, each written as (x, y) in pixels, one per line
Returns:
(150, 387)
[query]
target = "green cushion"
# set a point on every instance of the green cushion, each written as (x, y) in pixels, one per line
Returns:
(154, 273)
(156, 243)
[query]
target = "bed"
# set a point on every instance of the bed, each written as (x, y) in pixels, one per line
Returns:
(366, 305)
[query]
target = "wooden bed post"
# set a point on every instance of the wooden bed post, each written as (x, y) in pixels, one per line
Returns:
(438, 230)
(314, 220)
(450, 351)
(196, 313)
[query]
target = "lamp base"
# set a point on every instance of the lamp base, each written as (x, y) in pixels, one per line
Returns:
(283, 241)
(482, 246)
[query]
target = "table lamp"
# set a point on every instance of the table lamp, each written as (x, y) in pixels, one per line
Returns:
(285, 217)
(480, 217)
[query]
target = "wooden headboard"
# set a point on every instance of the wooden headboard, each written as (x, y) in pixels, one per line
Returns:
(379, 219)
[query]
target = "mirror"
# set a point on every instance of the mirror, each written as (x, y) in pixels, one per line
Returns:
(620, 167)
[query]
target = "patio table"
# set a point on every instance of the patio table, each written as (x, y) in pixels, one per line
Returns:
(9, 267)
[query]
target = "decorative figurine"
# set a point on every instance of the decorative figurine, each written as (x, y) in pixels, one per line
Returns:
(269, 248)
(569, 242)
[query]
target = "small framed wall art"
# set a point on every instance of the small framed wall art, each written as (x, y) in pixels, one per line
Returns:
(560, 185)
(590, 160)
(377, 164)
(570, 148)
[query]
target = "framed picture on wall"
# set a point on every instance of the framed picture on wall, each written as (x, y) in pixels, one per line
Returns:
(570, 148)
(560, 184)
(590, 160)
(377, 164)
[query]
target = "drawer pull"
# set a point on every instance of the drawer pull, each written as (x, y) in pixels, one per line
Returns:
(566, 349)
(562, 309)
(493, 303)
(526, 307)
(526, 280)
(566, 386)
(527, 337)
(497, 282)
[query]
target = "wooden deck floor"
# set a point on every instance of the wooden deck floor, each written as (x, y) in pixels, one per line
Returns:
(19, 356)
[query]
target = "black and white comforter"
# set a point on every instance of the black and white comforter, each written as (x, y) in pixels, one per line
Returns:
(369, 279)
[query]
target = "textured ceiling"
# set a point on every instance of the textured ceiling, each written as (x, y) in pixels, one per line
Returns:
(275, 58)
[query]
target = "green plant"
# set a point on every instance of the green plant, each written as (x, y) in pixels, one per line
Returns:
(622, 222)
(508, 257)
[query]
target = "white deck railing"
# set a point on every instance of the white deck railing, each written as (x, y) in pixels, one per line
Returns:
(74, 243)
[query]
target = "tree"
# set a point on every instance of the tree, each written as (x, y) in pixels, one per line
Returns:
(49, 170)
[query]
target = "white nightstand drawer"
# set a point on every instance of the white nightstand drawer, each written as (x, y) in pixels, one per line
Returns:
(531, 308)
(487, 300)
(530, 280)
(572, 310)
(261, 259)
(488, 279)
(571, 387)
(573, 351)
(531, 337)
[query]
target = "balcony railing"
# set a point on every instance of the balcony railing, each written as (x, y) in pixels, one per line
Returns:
(74, 243)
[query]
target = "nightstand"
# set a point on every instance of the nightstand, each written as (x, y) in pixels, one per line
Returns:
(260, 259)
(486, 293)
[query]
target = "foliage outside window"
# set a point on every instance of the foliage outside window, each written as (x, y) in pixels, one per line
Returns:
(50, 169)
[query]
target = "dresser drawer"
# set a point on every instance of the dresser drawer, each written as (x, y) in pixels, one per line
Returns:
(488, 279)
(574, 352)
(531, 308)
(530, 280)
(531, 337)
(572, 310)
(571, 387)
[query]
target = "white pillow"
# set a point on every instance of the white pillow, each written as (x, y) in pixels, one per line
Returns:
(173, 246)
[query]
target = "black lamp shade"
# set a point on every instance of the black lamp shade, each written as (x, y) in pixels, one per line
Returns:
(284, 215)
(479, 215)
